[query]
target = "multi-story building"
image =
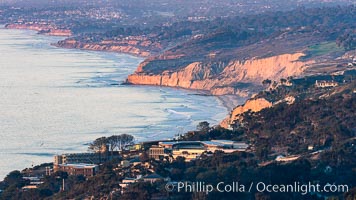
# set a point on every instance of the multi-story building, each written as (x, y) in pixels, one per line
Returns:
(157, 152)
(93, 158)
(77, 169)
(191, 150)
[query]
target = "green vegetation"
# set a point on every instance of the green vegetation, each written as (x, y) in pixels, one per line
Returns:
(263, 35)
(323, 48)
(238, 38)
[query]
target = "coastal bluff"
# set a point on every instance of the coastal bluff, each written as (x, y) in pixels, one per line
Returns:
(128, 47)
(235, 77)
(45, 29)
(253, 105)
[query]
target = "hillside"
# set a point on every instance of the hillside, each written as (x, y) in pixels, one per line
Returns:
(246, 50)
(300, 115)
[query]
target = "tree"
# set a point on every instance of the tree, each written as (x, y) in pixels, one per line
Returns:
(140, 190)
(12, 183)
(119, 141)
(262, 151)
(113, 142)
(347, 41)
(99, 144)
(126, 140)
(203, 126)
(14, 178)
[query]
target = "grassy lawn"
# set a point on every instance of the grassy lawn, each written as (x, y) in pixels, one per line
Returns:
(323, 48)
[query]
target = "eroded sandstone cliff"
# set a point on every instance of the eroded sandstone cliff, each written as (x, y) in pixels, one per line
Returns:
(253, 105)
(220, 79)
(128, 48)
(46, 29)
(139, 45)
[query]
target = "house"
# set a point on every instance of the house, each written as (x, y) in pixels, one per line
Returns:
(34, 182)
(136, 147)
(127, 181)
(324, 84)
(153, 178)
(286, 158)
(29, 187)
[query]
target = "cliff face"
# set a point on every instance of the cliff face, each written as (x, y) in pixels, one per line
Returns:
(42, 29)
(254, 105)
(139, 45)
(273, 68)
(223, 79)
(104, 46)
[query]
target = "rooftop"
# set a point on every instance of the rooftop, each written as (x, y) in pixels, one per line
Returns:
(219, 143)
(79, 165)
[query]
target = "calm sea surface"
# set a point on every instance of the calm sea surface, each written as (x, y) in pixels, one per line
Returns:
(55, 100)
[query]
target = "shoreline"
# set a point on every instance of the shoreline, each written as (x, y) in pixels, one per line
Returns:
(43, 29)
(145, 129)
(40, 32)
(108, 51)
(226, 101)
(229, 101)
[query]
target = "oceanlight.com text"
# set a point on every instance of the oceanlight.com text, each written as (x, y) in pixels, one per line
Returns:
(237, 187)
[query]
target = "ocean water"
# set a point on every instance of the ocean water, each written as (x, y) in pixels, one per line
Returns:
(55, 100)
